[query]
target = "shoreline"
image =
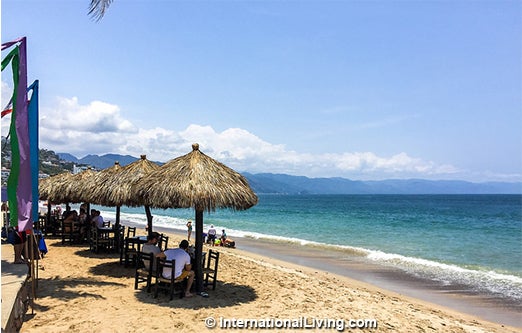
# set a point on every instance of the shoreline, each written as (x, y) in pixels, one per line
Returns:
(456, 298)
(81, 291)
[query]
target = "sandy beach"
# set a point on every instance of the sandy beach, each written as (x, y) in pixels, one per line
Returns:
(80, 291)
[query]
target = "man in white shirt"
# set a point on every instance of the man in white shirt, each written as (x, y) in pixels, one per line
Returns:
(151, 247)
(212, 235)
(183, 268)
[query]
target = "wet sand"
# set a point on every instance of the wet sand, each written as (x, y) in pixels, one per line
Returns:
(460, 298)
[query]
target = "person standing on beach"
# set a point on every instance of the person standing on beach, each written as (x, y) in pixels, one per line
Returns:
(189, 230)
(20, 250)
(211, 237)
(223, 238)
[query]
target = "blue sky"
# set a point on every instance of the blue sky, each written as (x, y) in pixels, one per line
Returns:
(355, 89)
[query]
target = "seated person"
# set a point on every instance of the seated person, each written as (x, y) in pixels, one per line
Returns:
(97, 219)
(71, 216)
(70, 221)
(229, 243)
(183, 267)
(84, 225)
(151, 247)
(223, 237)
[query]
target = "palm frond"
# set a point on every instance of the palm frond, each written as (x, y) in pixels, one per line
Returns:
(97, 8)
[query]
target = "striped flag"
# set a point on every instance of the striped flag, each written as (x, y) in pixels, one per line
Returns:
(8, 108)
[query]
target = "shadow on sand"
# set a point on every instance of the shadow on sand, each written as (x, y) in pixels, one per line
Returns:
(225, 295)
(62, 289)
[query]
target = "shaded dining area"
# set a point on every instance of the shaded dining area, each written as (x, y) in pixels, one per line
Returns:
(192, 181)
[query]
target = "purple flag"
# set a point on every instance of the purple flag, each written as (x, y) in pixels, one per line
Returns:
(21, 170)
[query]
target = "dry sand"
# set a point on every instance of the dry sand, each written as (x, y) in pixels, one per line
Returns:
(80, 291)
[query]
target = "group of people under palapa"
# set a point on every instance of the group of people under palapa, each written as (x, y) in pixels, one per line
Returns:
(183, 266)
(85, 222)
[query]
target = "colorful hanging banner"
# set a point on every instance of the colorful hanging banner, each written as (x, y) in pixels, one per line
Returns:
(32, 113)
(19, 183)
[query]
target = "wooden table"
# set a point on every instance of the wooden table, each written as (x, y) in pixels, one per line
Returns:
(137, 240)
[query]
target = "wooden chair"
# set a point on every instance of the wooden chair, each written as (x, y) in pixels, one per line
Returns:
(119, 238)
(144, 265)
(210, 272)
(163, 242)
(101, 240)
(92, 239)
(171, 285)
(128, 250)
(70, 232)
(131, 232)
(107, 224)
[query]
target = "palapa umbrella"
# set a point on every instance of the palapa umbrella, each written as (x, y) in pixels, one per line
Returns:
(47, 189)
(117, 189)
(197, 181)
(73, 188)
(98, 189)
(64, 188)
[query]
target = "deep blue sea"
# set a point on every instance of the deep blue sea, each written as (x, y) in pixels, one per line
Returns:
(454, 239)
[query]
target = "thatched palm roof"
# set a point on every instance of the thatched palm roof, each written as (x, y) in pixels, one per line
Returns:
(119, 187)
(195, 180)
(64, 187)
(47, 187)
(73, 189)
(200, 182)
(98, 189)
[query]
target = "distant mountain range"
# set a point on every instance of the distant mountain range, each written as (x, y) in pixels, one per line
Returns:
(99, 162)
(287, 184)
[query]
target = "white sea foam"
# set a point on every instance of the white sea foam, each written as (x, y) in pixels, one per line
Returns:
(478, 280)
(448, 274)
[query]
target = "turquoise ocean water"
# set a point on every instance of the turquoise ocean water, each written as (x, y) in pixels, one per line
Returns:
(474, 240)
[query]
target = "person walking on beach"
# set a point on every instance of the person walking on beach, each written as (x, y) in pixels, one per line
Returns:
(189, 230)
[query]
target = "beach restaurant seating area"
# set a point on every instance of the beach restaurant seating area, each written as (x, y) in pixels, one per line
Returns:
(126, 242)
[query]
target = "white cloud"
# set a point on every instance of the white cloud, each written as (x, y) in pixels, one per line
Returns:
(96, 117)
(100, 128)
(95, 128)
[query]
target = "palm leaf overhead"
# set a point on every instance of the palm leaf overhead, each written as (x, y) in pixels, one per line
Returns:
(97, 8)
